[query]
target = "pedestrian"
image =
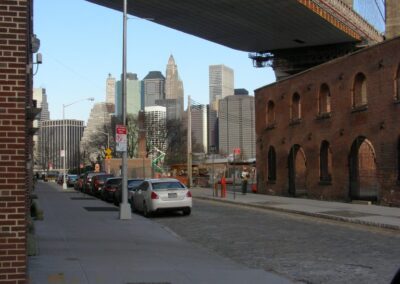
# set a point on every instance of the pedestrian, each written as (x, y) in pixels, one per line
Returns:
(223, 186)
(244, 183)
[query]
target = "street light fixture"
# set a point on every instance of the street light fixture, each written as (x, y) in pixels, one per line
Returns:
(65, 137)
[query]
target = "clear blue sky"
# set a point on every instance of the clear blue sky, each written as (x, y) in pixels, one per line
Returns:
(82, 42)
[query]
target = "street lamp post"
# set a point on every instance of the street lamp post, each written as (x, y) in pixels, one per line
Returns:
(65, 137)
(124, 208)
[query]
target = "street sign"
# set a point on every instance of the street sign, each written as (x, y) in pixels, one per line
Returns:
(62, 153)
(121, 139)
(108, 152)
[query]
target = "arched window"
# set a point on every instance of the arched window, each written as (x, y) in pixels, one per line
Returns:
(325, 162)
(360, 91)
(271, 164)
(295, 110)
(271, 113)
(324, 99)
(397, 84)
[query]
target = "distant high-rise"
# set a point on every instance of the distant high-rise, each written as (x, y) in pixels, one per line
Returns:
(39, 95)
(174, 87)
(156, 128)
(153, 85)
(110, 89)
(133, 97)
(221, 84)
(52, 138)
(199, 126)
(174, 108)
(99, 121)
(237, 125)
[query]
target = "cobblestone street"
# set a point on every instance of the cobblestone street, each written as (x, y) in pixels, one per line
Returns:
(304, 249)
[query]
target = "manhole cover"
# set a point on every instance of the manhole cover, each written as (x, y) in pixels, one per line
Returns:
(83, 198)
(349, 214)
(101, 209)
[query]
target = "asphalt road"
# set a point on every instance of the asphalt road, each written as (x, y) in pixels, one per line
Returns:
(304, 249)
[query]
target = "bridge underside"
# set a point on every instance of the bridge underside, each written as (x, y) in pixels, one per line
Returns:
(271, 30)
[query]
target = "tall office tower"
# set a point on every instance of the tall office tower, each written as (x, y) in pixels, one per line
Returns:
(39, 95)
(110, 89)
(98, 125)
(153, 85)
(156, 129)
(174, 86)
(133, 97)
(221, 84)
(174, 108)
(237, 125)
(212, 127)
(52, 138)
(199, 126)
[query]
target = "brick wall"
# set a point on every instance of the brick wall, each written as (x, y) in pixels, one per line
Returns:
(376, 123)
(15, 94)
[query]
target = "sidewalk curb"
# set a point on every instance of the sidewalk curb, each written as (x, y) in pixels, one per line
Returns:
(317, 215)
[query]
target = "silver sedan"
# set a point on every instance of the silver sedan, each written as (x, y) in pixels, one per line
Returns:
(154, 195)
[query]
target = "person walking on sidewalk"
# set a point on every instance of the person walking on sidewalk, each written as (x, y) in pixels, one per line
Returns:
(244, 183)
(223, 186)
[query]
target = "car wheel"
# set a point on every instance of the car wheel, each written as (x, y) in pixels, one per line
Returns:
(187, 211)
(146, 212)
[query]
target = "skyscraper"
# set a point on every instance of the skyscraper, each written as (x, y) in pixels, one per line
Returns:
(133, 97)
(110, 89)
(153, 85)
(173, 88)
(156, 128)
(237, 125)
(52, 137)
(99, 121)
(199, 126)
(221, 84)
(39, 95)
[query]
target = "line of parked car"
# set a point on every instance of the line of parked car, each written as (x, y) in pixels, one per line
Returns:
(145, 195)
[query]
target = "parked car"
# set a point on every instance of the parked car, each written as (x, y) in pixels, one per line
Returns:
(132, 185)
(109, 188)
(155, 195)
(79, 182)
(51, 176)
(71, 180)
(88, 181)
(97, 183)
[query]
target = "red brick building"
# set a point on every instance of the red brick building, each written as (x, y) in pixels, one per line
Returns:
(333, 132)
(16, 112)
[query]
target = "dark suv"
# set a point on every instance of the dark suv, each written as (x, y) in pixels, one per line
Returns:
(97, 183)
(87, 181)
(109, 188)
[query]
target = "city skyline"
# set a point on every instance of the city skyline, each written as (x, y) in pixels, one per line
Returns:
(79, 54)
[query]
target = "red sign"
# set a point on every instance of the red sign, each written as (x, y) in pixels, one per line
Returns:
(236, 151)
(121, 129)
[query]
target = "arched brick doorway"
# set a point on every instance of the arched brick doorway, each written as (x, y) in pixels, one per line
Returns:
(297, 171)
(363, 173)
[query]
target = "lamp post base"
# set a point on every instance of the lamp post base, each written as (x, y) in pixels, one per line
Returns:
(125, 211)
(65, 185)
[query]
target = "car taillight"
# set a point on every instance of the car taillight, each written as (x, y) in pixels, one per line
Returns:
(154, 195)
(188, 194)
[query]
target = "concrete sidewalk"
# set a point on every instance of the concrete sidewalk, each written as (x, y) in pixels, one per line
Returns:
(81, 240)
(372, 215)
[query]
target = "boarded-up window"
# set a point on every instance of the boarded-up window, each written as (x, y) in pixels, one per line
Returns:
(324, 99)
(360, 90)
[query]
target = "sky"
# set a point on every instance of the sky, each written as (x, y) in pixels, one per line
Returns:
(81, 44)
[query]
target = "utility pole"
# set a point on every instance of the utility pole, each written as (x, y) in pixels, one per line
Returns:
(189, 144)
(124, 208)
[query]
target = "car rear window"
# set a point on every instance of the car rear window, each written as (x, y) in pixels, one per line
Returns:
(134, 183)
(114, 181)
(167, 185)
